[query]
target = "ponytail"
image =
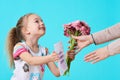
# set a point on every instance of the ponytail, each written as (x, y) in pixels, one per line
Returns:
(15, 35)
(11, 41)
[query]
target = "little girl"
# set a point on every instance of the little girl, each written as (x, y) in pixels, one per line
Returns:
(26, 56)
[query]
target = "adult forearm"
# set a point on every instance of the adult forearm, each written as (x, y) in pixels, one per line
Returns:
(107, 34)
(114, 47)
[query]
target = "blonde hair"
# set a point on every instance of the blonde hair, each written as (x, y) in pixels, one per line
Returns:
(14, 36)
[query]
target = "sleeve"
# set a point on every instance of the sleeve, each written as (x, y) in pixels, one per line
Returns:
(114, 47)
(19, 49)
(107, 34)
(46, 51)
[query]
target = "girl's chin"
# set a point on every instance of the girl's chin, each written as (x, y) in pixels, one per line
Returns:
(41, 34)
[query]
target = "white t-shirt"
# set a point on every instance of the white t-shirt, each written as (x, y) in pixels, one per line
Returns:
(23, 70)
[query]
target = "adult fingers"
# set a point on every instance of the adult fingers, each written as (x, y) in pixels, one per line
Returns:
(90, 55)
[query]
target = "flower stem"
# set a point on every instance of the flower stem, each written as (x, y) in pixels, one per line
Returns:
(72, 44)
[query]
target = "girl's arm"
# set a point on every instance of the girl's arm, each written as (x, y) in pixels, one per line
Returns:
(107, 34)
(54, 69)
(51, 65)
(20, 51)
(37, 60)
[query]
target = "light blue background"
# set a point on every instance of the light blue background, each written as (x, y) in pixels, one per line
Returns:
(99, 14)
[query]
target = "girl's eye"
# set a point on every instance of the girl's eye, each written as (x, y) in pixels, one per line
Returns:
(36, 21)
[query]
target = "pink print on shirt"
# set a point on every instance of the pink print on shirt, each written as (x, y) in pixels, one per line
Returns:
(19, 51)
(42, 68)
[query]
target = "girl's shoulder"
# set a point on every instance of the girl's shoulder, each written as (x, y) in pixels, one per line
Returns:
(19, 44)
(19, 48)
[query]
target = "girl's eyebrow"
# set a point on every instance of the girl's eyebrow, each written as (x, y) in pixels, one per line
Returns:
(38, 19)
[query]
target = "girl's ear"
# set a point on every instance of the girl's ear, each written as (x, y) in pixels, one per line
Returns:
(26, 31)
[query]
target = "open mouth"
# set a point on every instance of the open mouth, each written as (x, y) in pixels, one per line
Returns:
(43, 28)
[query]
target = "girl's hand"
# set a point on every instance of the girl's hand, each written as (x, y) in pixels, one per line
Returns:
(97, 55)
(71, 54)
(54, 57)
(83, 41)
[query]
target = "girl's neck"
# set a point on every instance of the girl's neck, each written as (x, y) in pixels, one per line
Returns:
(33, 44)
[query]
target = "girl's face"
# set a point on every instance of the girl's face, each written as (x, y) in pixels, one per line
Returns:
(35, 26)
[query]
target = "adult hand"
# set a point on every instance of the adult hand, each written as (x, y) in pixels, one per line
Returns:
(83, 41)
(97, 55)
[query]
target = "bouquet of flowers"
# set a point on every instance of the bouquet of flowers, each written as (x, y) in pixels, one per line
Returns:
(77, 28)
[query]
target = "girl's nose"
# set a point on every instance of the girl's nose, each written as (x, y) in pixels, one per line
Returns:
(41, 23)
